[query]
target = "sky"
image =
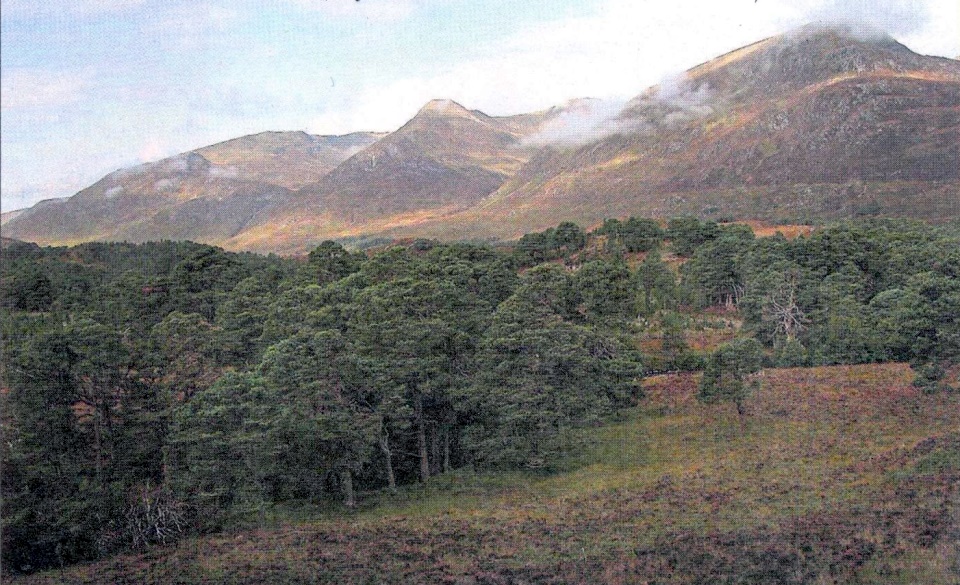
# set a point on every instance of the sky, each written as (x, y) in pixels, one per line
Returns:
(90, 86)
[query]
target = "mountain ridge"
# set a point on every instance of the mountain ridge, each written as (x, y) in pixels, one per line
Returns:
(817, 123)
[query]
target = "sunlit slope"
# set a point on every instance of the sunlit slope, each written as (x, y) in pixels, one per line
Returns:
(206, 195)
(288, 159)
(814, 125)
(444, 160)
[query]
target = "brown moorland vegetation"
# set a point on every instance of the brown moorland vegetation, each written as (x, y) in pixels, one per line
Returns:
(835, 475)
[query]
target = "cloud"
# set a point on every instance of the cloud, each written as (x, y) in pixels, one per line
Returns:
(38, 88)
(32, 8)
(229, 172)
(165, 185)
(674, 101)
(370, 10)
(581, 122)
(613, 54)
(868, 17)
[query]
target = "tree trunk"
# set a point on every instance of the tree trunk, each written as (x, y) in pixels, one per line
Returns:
(388, 456)
(349, 499)
(422, 439)
(446, 448)
(434, 449)
(98, 441)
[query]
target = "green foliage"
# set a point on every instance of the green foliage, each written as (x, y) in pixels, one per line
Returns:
(244, 382)
(559, 242)
(658, 284)
(792, 354)
(221, 452)
(633, 235)
(330, 261)
(567, 238)
(725, 377)
(675, 350)
(189, 350)
(686, 234)
(27, 289)
(713, 274)
(606, 289)
(241, 318)
(327, 421)
(540, 376)
(76, 443)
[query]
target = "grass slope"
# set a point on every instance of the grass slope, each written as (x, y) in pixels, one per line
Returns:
(837, 475)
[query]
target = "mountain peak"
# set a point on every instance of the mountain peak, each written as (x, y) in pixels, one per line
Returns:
(446, 108)
(813, 53)
(842, 31)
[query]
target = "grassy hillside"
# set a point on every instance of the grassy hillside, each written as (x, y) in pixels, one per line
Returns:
(836, 475)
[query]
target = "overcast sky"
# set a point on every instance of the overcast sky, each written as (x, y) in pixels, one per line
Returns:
(89, 86)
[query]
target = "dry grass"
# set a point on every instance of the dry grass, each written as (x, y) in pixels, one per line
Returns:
(838, 474)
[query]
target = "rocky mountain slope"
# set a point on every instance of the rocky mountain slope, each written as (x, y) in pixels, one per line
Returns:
(819, 123)
(813, 125)
(207, 195)
(445, 159)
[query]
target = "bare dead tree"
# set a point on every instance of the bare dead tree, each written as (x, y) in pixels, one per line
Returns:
(782, 307)
(153, 516)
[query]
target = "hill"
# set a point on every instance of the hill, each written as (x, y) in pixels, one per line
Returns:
(813, 125)
(8, 215)
(288, 159)
(204, 195)
(817, 124)
(444, 160)
(839, 474)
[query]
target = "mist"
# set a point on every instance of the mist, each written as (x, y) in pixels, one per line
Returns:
(675, 100)
(581, 122)
(870, 20)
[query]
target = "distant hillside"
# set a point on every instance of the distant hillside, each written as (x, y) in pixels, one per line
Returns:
(812, 125)
(206, 195)
(8, 215)
(445, 159)
(816, 124)
(288, 159)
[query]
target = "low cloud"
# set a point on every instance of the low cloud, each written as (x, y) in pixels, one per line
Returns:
(674, 101)
(223, 172)
(869, 19)
(581, 122)
(165, 185)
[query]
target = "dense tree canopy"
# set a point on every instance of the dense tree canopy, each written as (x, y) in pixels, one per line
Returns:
(214, 385)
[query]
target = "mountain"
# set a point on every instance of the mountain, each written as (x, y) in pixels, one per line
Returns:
(8, 215)
(208, 195)
(816, 124)
(288, 159)
(445, 159)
